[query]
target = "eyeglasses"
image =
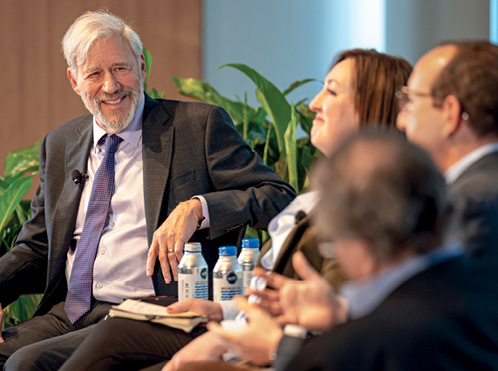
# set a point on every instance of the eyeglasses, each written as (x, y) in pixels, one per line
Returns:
(404, 101)
(404, 92)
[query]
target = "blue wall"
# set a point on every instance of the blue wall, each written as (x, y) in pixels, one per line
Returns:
(493, 20)
(289, 40)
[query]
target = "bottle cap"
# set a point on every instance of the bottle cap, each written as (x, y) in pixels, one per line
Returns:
(252, 243)
(227, 250)
(193, 247)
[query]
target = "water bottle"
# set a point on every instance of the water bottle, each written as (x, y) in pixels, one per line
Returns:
(192, 273)
(248, 258)
(227, 275)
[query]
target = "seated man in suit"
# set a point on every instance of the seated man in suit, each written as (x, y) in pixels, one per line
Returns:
(122, 189)
(450, 108)
(413, 303)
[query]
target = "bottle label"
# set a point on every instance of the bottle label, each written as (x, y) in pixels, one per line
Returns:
(247, 275)
(194, 285)
(227, 286)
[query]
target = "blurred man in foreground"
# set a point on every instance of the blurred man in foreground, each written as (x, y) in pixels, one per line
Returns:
(413, 303)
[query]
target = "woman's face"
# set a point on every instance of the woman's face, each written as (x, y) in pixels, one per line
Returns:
(334, 108)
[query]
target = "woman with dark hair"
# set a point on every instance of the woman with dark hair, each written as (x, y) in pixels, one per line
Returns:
(358, 91)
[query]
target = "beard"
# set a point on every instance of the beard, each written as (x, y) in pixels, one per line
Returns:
(121, 117)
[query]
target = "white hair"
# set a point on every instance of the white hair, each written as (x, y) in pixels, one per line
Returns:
(91, 27)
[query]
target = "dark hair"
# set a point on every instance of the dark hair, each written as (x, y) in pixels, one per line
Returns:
(472, 77)
(376, 78)
(378, 187)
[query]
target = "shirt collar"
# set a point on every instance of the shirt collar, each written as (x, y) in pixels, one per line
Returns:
(465, 162)
(366, 295)
(131, 134)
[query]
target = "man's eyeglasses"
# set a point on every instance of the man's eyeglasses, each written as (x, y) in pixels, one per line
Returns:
(404, 92)
(404, 101)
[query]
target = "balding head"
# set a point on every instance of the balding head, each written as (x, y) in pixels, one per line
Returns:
(452, 100)
(472, 77)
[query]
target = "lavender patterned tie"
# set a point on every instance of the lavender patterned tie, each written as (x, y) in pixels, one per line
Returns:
(79, 294)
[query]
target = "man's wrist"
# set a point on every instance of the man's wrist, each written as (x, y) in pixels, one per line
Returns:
(200, 206)
(199, 223)
(277, 337)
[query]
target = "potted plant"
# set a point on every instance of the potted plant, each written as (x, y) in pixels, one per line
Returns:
(20, 167)
(269, 129)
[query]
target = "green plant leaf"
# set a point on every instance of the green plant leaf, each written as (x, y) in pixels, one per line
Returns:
(291, 150)
(20, 310)
(205, 92)
(22, 161)
(271, 99)
(297, 84)
(11, 198)
(3, 184)
(306, 117)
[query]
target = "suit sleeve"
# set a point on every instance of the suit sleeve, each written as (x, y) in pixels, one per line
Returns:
(23, 270)
(475, 224)
(247, 191)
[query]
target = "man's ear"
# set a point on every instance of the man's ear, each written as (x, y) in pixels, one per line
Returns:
(72, 80)
(143, 67)
(452, 115)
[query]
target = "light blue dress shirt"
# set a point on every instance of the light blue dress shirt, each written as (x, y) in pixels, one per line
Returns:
(119, 269)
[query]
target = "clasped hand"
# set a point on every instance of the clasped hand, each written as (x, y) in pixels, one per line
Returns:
(171, 236)
(310, 303)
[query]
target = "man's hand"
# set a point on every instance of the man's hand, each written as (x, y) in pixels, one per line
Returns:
(310, 303)
(1, 321)
(205, 307)
(257, 341)
(270, 296)
(171, 236)
(204, 348)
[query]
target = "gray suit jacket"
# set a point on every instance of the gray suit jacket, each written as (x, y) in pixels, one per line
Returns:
(474, 214)
(188, 149)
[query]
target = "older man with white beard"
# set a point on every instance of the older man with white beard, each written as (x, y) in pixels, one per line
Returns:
(122, 189)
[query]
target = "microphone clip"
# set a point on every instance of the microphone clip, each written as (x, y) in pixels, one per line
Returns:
(78, 178)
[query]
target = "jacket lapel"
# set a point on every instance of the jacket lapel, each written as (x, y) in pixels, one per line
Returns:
(289, 245)
(76, 158)
(157, 149)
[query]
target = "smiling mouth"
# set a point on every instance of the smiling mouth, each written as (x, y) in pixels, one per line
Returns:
(113, 102)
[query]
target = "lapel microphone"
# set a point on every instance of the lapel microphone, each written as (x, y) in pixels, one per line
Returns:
(78, 178)
(300, 215)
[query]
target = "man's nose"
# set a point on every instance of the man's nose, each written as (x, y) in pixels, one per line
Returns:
(111, 84)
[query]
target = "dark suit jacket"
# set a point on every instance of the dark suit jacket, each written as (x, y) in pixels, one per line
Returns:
(188, 149)
(303, 237)
(474, 200)
(444, 318)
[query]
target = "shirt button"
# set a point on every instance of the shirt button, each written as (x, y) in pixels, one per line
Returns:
(99, 285)
(102, 251)
(111, 224)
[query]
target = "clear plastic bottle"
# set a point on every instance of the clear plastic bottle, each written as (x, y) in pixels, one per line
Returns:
(192, 273)
(227, 275)
(248, 258)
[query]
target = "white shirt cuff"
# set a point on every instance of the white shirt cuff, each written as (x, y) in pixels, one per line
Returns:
(205, 211)
(229, 309)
